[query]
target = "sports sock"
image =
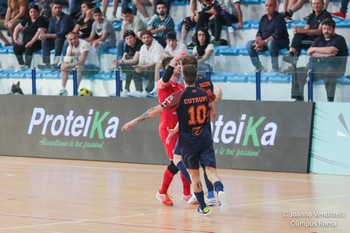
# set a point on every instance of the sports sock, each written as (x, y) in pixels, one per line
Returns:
(209, 185)
(184, 171)
(200, 199)
(167, 178)
(218, 186)
(186, 185)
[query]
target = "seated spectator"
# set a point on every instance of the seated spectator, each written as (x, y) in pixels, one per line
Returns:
(303, 37)
(141, 6)
(290, 7)
(16, 11)
(328, 60)
(161, 24)
(102, 35)
(59, 26)
(31, 28)
(74, 8)
(272, 35)
(45, 8)
(172, 48)
(84, 26)
(3, 9)
(130, 22)
(204, 51)
(105, 6)
(150, 53)
(80, 55)
(129, 59)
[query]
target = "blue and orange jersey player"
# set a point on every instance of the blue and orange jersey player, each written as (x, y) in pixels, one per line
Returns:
(195, 139)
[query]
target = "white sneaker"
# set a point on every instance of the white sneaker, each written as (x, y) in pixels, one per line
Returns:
(210, 201)
(225, 205)
(192, 200)
(230, 29)
(185, 197)
(124, 93)
(63, 92)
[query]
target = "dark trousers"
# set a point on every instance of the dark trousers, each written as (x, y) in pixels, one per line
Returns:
(131, 75)
(19, 50)
(149, 74)
(301, 41)
(48, 45)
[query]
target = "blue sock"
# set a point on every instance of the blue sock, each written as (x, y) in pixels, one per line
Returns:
(209, 185)
(218, 186)
(184, 171)
(200, 199)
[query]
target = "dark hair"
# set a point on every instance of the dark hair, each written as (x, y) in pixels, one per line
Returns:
(127, 10)
(190, 74)
(189, 60)
(146, 32)
(89, 5)
(129, 33)
(161, 3)
(166, 61)
(207, 36)
(35, 7)
(56, 2)
(171, 35)
(97, 10)
(329, 22)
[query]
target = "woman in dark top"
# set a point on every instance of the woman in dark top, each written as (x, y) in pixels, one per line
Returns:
(31, 27)
(204, 51)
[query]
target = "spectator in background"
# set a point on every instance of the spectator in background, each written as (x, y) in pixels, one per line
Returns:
(231, 13)
(45, 8)
(130, 22)
(129, 59)
(79, 55)
(105, 6)
(173, 48)
(59, 26)
(150, 53)
(303, 37)
(3, 9)
(161, 24)
(84, 26)
(16, 11)
(329, 53)
(102, 35)
(204, 51)
(141, 6)
(272, 35)
(291, 6)
(31, 28)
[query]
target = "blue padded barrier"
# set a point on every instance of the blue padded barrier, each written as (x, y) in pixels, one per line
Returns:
(49, 74)
(251, 1)
(218, 48)
(343, 24)
(280, 78)
(251, 77)
(15, 74)
(229, 51)
(237, 78)
(246, 25)
(110, 51)
(117, 26)
(4, 74)
(3, 50)
(104, 75)
(345, 80)
(218, 77)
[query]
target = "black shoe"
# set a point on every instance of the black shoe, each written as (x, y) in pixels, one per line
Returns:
(289, 58)
(44, 66)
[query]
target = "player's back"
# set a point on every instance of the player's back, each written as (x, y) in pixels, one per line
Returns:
(193, 114)
(204, 82)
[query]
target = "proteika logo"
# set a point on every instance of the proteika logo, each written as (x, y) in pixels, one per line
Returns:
(95, 124)
(255, 132)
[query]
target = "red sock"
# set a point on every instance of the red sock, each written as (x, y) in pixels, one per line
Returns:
(186, 185)
(167, 178)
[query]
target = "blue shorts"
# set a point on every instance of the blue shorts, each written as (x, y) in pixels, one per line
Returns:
(204, 156)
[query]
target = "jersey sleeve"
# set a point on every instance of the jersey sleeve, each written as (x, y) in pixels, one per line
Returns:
(172, 101)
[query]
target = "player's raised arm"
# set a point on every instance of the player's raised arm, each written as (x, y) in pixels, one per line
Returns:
(150, 113)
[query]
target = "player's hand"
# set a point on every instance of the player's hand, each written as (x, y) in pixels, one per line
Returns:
(171, 132)
(128, 126)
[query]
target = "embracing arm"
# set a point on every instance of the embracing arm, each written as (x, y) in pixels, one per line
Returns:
(150, 113)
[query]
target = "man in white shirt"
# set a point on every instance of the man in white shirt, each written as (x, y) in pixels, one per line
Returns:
(81, 55)
(150, 53)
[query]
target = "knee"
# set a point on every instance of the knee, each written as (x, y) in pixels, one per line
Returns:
(172, 168)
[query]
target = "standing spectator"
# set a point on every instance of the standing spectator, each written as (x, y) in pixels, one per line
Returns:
(162, 24)
(102, 35)
(31, 28)
(59, 26)
(272, 35)
(343, 10)
(129, 59)
(79, 55)
(16, 11)
(150, 53)
(303, 37)
(204, 51)
(130, 22)
(329, 54)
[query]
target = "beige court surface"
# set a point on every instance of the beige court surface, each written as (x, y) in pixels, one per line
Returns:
(52, 196)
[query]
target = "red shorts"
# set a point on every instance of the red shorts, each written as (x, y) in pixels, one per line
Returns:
(169, 148)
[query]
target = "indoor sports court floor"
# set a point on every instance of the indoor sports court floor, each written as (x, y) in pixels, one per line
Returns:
(54, 196)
